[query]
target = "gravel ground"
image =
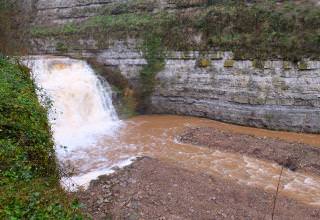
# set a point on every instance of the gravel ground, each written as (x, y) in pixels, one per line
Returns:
(290, 155)
(152, 189)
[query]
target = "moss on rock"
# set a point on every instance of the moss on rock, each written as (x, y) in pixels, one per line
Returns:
(229, 63)
(203, 63)
(259, 64)
(287, 65)
(302, 65)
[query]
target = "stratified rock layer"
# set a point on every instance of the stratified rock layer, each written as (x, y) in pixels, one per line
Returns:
(273, 94)
(278, 95)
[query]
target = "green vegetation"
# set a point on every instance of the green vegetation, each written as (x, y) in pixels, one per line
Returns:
(126, 103)
(128, 106)
(287, 65)
(29, 176)
(203, 63)
(262, 30)
(61, 47)
(128, 22)
(130, 102)
(122, 22)
(229, 63)
(302, 65)
(259, 64)
(154, 54)
(66, 29)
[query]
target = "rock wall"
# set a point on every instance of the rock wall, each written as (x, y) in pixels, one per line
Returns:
(52, 12)
(277, 95)
(55, 12)
(61, 11)
(274, 94)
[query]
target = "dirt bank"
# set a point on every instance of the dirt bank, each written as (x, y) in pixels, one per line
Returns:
(294, 156)
(152, 189)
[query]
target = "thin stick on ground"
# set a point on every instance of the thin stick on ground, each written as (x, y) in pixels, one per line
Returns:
(276, 196)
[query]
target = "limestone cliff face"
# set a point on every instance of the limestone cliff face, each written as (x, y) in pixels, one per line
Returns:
(277, 95)
(273, 94)
(65, 11)
(62, 11)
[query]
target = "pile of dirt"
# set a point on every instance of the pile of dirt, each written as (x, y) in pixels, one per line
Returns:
(152, 189)
(293, 156)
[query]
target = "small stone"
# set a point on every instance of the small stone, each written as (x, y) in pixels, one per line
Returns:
(133, 216)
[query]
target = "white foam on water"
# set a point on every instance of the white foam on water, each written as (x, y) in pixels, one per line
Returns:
(75, 183)
(82, 106)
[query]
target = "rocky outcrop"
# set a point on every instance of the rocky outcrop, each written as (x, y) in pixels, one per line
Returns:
(271, 94)
(61, 11)
(55, 12)
(276, 95)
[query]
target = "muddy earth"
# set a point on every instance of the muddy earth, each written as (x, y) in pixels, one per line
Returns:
(153, 189)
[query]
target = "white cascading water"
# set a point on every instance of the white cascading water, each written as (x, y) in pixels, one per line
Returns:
(82, 106)
(81, 111)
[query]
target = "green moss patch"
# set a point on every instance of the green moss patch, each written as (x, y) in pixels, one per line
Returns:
(287, 65)
(302, 65)
(203, 63)
(259, 64)
(29, 175)
(61, 47)
(154, 54)
(229, 63)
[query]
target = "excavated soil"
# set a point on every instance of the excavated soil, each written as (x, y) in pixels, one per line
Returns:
(152, 189)
(294, 156)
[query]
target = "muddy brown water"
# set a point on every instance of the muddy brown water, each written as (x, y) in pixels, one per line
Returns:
(85, 108)
(156, 136)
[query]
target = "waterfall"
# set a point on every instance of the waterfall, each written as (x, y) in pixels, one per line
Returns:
(82, 107)
(81, 114)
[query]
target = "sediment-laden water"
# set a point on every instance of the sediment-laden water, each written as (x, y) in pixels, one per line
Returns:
(91, 140)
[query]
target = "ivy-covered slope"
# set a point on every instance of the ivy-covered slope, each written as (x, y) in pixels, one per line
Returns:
(29, 176)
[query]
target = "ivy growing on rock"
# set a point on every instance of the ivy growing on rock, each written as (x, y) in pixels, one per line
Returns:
(154, 54)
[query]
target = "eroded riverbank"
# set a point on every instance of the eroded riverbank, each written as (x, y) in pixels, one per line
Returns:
(157, 137)
(153, 189)
(294, 156)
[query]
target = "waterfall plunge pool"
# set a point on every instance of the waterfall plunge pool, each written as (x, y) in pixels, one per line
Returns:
(92, 141)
